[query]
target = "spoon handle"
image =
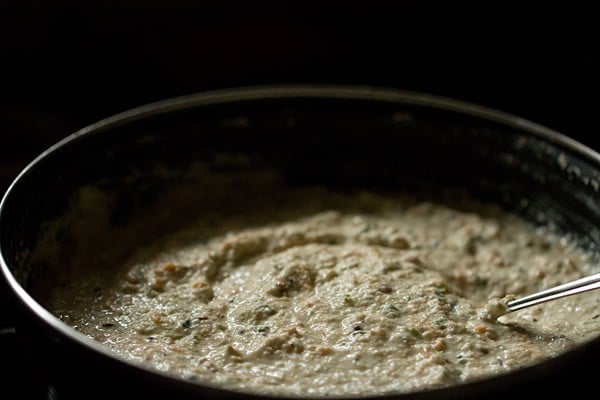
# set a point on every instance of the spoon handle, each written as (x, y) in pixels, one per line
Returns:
(581, 285)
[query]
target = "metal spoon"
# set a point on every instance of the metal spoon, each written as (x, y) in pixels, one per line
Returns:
(581, 285)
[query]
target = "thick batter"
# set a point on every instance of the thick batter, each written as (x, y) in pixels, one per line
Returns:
(332, 294)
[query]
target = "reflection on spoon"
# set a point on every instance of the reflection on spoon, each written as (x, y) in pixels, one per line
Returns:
(581, 285)
(497, 307)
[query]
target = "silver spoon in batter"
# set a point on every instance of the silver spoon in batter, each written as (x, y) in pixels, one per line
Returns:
(581, 285)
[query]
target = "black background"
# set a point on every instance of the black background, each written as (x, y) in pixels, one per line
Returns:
(66, 64)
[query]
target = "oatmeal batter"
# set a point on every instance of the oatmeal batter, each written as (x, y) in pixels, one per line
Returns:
(388, 295)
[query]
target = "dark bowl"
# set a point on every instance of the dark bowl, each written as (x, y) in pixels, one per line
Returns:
(341, 137)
